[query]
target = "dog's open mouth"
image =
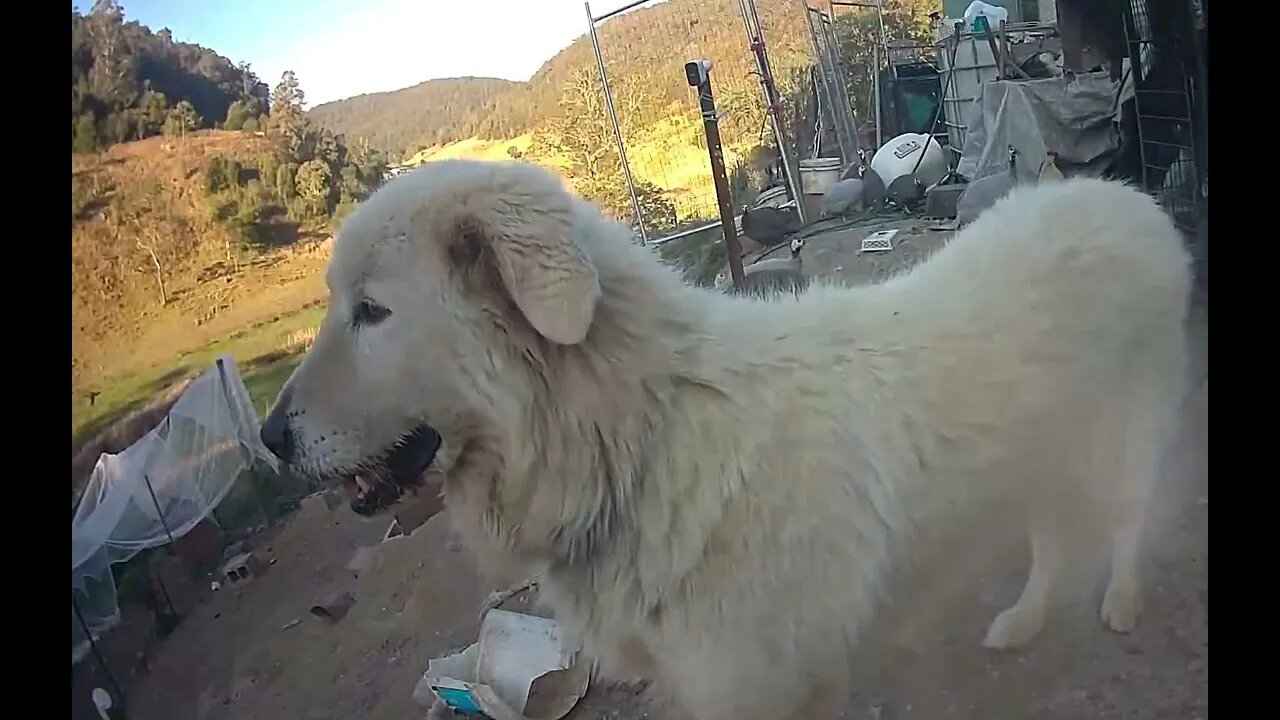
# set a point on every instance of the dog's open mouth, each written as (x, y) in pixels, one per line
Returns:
(384, 480)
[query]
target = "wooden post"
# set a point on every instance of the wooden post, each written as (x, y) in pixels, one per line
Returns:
(707, 102)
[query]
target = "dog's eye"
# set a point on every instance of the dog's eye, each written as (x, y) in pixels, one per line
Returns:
(368, 312)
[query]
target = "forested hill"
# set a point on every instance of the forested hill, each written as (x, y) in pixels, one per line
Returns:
(127, 82)
(645, 51)
(426, 114)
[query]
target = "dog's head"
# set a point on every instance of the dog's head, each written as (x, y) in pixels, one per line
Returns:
(440, 285)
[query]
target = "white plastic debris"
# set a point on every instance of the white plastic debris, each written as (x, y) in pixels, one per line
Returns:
(879, 241)
(519, 670)
(994, 14)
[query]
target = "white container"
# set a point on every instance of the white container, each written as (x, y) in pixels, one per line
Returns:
(975, 64)
(819, 174)
(896, 162)
(519, 670)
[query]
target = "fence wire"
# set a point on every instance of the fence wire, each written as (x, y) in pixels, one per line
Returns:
(663, 140)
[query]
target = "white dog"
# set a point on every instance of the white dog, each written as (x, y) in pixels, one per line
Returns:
(712, 489)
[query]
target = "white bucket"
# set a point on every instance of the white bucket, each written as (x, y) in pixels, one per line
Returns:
(818, 175)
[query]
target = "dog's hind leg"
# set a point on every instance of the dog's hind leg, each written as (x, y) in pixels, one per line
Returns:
(1152, 399)
(1019, 624)
(1137, 470)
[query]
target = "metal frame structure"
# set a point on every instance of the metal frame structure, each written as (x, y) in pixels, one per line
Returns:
(952, 66)
(1165, 42)
(773, 104)
(613, 114)
(1169, 106)
(833, 92)
(881, 55)
(756, 43)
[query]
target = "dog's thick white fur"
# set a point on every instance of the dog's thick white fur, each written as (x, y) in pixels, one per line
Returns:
(713, 488)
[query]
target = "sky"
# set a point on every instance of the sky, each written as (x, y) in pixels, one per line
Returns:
(342, 48)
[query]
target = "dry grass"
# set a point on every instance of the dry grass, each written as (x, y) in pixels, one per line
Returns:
(149, 195)
(299, 342)
(671, 154)
(126, 346)
(120, 434)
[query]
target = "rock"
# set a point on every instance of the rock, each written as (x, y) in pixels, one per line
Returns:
(334, 607)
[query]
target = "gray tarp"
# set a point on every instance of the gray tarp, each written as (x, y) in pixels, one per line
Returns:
(1071, 115)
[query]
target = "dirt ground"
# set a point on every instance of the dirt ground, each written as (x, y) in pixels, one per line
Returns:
(242, 656)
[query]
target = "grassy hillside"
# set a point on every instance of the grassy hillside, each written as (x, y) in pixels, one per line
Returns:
(557, 118)
(422, 115)
(147, 196)
(184, 240)
(645, 51)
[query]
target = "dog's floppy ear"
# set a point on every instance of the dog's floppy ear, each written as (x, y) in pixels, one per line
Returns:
(526, 229)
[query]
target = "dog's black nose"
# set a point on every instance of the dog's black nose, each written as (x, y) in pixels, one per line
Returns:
(276, 433)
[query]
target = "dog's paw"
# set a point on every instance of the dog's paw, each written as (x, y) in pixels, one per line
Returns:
(1013, 629)
(1121, 605)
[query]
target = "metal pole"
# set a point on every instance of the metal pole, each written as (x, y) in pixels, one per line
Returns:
(613, 121)
(846, 118)
(882, 49)
(159, 513)
(97, 653)
(707, 102)
(875, 94)
(248, 458)
(619, 11)
(822, 75)
(164, 591)
(773, 105)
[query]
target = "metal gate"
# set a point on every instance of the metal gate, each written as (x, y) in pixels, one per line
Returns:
(833, 93)
(1169, 104)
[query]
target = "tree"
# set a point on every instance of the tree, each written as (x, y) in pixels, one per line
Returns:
(221, 173)
(581, 137)
(150, 248)
(153, 109)
(120, 126)
(126, 218)
(288, 97)
(237, 114)
(111, 76)
(181, 119)
(314, 183)
(253, 92)
(286, 182)
(580, 133)
(84, 135)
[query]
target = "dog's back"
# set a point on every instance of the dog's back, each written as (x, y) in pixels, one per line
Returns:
(1047, 336)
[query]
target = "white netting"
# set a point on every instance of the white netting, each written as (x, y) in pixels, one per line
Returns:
(192, 459)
